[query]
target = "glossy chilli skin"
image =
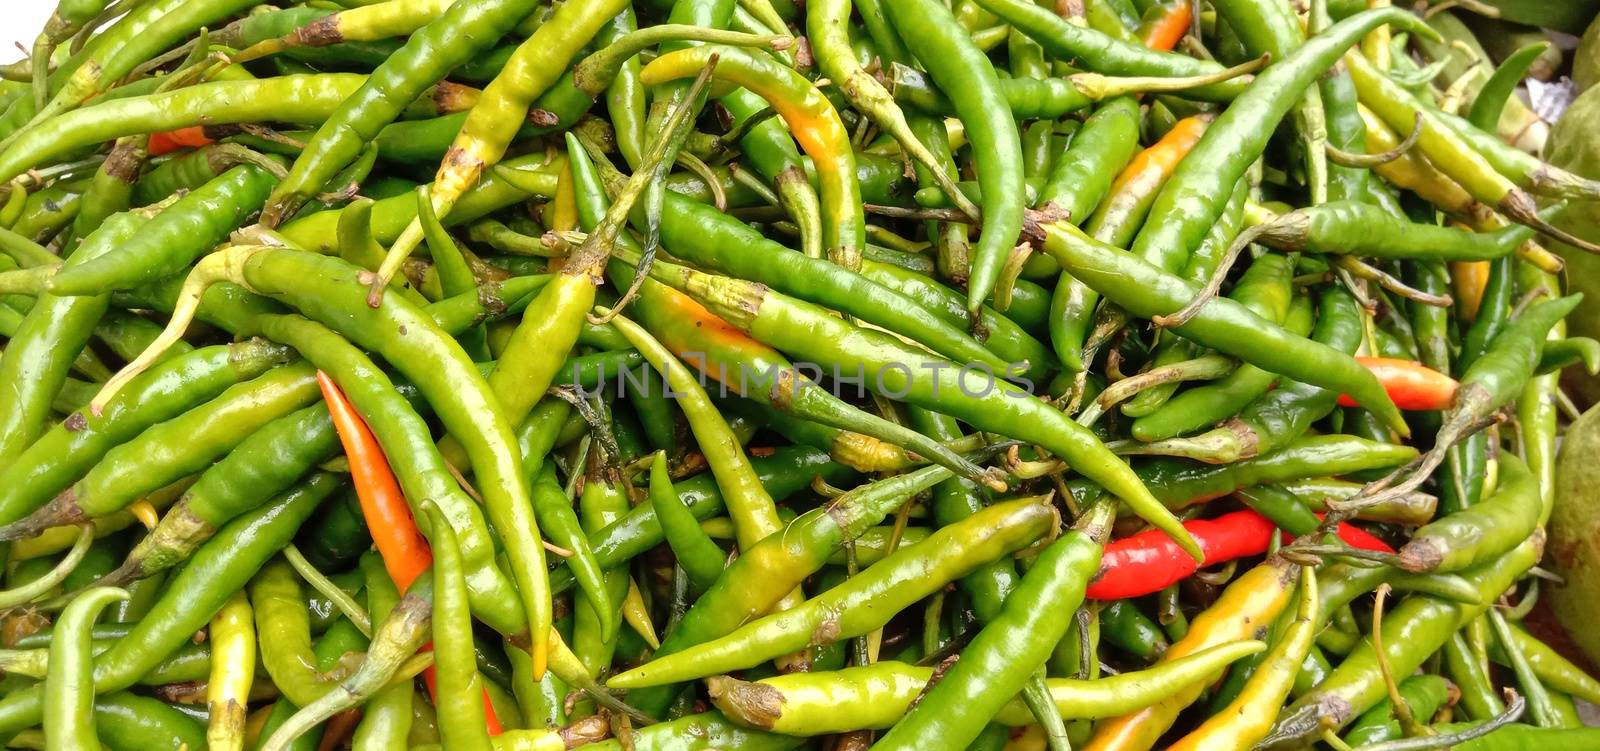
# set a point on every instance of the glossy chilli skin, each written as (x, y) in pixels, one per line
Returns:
(937, 42)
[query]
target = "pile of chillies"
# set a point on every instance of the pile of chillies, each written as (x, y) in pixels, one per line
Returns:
(760, 375)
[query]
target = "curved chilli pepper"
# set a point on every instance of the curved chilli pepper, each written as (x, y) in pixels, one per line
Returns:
(300, 98)
(405, 440)
(1489, 383)
(409, 339)
(1246, 609)
(1345, 131)
(984, 402)
(1200, 187)
(1145, 290)
(1519, 737)
(233, 665)
(624, 95)
(1131, 194)
(493, 122)
(143, 33)
(283, 623)
(1430, 324)
(1410, 384)
(1180, 482)
(998, 661)
(1483, 531)
(958, 66)
(768, 570)
(1448, 150)
(457, 35)
(69, 686)
(1559, 673)
(704, 236)
(173, 449)
(69, 17)
(700, 558)
(810, 117)
(827, 27)
(1048, 98)
(555, 508)
(267, 462)
(125, 720)
(1104, 53)
(1493, 296)
(1414, 630)
(54, 331)
(877, 696)
(394, 532)
(459, 692)
(1528, 171)
(167, 244)
(862, 603)
(754, 514)
(220, 568)
(1249, 716)
(68, 450)
(524, 370)
(1079, 181)
(1148, 562)
(1479, 699)
(1361, 229)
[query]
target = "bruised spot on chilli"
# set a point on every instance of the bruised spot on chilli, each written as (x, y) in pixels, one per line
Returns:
(543, 118)
(453, 97)
(783, 388)
(489, 297)
(1334, 708)
(75, 422)
(756, 704)
(588, 730)
(826, 632)
(320, 33)
(123, 165)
